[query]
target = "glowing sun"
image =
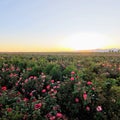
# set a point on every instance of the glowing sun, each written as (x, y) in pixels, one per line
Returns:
(84, 41)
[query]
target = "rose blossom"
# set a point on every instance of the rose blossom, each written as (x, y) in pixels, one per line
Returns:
(25, 99)
(89, 83)
(72, 78)
(9, 109)
(37, 106)
(72, 72)
(26, 80)
(99, 108)
(85, 96)
(59, 115)
(58, 82)
(48, 87)
(52, 81)
(52, 118)
(44, 90)
(76, 100)
(88, 108)
(4, 88)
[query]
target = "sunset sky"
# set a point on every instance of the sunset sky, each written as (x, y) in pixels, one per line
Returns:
(59, 25)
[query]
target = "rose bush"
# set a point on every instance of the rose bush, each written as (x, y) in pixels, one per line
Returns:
(59, 87)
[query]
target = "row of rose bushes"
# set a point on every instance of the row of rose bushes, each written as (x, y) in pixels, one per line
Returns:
(91, 91)
(39, 98)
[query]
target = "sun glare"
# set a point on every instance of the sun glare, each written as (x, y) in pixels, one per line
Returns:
(85, 41)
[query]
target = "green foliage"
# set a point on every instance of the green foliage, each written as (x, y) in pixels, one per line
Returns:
(56, 73)
(37, 87)
(68, 70)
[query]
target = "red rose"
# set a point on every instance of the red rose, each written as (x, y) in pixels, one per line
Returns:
(84, 96)
(4, 88)
(59, 115)
(37, 106)
(9, 109)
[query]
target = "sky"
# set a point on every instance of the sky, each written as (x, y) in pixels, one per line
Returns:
(58, 25)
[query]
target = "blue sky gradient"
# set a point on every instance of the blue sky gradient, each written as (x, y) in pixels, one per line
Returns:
(41, 25)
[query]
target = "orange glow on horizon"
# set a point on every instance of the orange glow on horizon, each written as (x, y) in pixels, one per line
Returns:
(80, 41)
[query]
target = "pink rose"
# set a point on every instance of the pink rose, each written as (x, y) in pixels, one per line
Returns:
(76, 100)
(37, 106)
(72, 72)
(89, 83)
(48, 87)
(84, 96)
(99, 108)
(88, 108)
(25, 99)
(52, 81)
(59, 115)
(44, 90)
(72, 78)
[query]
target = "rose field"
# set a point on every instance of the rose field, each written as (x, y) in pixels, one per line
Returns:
(60, 86)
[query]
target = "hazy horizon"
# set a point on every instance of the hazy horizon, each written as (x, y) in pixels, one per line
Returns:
(57, 26)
